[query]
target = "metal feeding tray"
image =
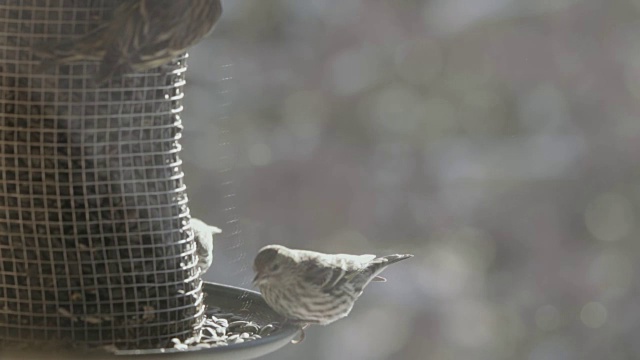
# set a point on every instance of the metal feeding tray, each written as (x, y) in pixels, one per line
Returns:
(224, 299)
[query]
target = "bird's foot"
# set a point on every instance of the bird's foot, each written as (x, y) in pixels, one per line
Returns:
(301, 338)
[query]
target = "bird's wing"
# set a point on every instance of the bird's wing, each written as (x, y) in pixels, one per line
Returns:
(332, 271)
(317, 274)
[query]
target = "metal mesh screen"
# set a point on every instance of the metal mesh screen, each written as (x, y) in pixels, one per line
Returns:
(94, 247)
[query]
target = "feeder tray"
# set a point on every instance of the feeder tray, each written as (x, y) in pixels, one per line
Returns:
(227, 299)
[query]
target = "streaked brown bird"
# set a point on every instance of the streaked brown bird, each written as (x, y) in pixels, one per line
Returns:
(141, 35)
(309, 287)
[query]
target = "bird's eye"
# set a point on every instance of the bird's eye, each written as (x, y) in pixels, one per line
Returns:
(275, 267)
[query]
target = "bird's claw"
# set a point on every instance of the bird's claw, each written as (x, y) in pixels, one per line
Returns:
(301, 338)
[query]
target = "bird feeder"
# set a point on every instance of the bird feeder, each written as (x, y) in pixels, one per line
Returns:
(95, 246)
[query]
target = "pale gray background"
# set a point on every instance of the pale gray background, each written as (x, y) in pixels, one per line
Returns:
(497, 140)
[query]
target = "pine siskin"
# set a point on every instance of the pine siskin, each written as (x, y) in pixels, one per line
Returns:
(309, 287)
(141, 35)
(203, 236)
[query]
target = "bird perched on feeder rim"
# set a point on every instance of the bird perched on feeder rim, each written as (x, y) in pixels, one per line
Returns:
(141, 35)
(203, 236)
(309, 287)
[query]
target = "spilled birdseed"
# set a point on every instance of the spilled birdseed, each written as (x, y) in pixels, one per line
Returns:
(218, 331)
(221, 329)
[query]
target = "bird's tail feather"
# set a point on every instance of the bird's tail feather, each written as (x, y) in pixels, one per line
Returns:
(390, 259)
(378, 264)
(89, 47)
(52, 54)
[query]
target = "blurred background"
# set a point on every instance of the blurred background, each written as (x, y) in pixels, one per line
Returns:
(497, 140)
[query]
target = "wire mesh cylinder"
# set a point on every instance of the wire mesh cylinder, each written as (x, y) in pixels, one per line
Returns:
(93, 242)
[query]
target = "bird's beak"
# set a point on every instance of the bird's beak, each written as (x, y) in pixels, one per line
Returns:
(256, 279)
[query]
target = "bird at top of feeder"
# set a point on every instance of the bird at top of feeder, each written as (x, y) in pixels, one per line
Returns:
(308, 287)
(141, 35)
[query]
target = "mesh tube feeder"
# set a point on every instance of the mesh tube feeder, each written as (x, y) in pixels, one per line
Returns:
(94, 244)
